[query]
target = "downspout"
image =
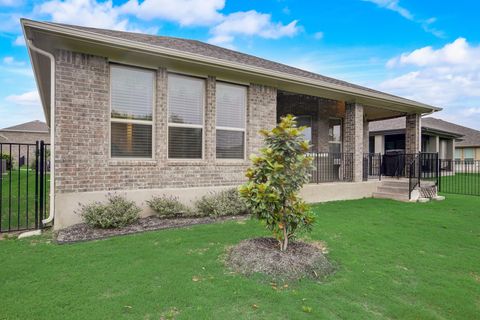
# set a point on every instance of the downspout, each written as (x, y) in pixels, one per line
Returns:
(32, 47)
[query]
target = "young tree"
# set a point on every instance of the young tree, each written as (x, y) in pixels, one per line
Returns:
(275, 179)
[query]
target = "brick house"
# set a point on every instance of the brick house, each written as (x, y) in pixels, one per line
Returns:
(26, 133)
(146, 115)
(436, 136)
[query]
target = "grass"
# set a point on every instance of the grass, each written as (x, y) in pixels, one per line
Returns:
(461, 183)
(395, 261)
(17, 197)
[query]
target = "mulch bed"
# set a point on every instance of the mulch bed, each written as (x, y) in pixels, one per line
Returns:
(262, 255)
(82, 232)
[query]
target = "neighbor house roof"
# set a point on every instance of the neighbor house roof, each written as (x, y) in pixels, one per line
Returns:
(31, 126)
(470, 137)
(429, 124)
(179, 52)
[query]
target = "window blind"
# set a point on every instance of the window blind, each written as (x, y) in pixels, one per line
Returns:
(131, 140)
(132, 99)
(231, 101)
(132, 93)
(186, 100)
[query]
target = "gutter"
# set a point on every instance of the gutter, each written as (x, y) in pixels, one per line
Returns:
(32, 47)
(93, 37)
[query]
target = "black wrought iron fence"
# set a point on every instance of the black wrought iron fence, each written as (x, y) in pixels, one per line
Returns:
(460, 177)
(372, 166)
(332, 167)
(24, 185)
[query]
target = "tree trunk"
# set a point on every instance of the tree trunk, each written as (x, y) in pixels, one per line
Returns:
(285, 239)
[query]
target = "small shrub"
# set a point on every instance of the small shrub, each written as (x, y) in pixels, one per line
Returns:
(8, 161)
(223, 203)
(168, 206)
(117, 212)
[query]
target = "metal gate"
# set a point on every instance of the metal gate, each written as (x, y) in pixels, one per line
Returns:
(24, 185)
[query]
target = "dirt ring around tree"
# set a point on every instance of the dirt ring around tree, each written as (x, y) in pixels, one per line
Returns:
(262, 255)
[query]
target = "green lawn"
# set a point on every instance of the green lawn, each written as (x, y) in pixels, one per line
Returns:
(18, 209)
(395, 261)
(461, 183)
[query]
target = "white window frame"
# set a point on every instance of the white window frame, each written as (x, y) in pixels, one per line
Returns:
(184, 125)
(244, 129)
(132, 121)
(341, 134)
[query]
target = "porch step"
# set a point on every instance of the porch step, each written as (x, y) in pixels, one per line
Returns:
(393, 196)
(393, 189)
(395, 183)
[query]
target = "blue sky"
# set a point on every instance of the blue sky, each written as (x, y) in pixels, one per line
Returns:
(425, 50)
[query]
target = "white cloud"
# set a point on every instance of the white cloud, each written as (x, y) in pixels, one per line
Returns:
(318, 35)
(457, 53)
(19, 41)
(29, 98)
(11, 3)
(84, 12)
(251, 23)
(394, 5)
(185, 12)
(448, 76)
(11, 61)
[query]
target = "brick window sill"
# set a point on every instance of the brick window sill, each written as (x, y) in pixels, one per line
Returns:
(133, 163)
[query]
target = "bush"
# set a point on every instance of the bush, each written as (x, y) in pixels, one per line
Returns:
(165, 206)
(8, 161)
(117, 212)
(223, 203)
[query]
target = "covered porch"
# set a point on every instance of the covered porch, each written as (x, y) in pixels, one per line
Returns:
(339, 136)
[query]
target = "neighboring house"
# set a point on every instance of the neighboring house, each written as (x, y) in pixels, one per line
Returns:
(25, 133)
(468, 146)
(389, 135)
(148, 115)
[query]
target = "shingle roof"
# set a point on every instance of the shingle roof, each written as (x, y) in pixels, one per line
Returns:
(32, 126)
(470, 137)
(208, 50)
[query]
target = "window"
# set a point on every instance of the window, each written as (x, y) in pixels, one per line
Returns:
(231, 102)
(395, 142)
(132, 98)
(458, 154)
(305, 121)
(468, 154)
(186, 100)
(335, 135)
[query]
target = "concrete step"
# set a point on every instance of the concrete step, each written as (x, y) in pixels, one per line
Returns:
(393, 189)
(395, 183)
(393, 196)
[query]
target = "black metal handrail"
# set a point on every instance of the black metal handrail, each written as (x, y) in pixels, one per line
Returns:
(413, 177)
(332, 167)
(424, 166)
(372, 166)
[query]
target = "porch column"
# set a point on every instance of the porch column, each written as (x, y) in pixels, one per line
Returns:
(412, 133)
(354, 139)
(366, 137)
(436, 144)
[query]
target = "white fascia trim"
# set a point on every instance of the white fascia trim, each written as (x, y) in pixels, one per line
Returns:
(192, 57)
